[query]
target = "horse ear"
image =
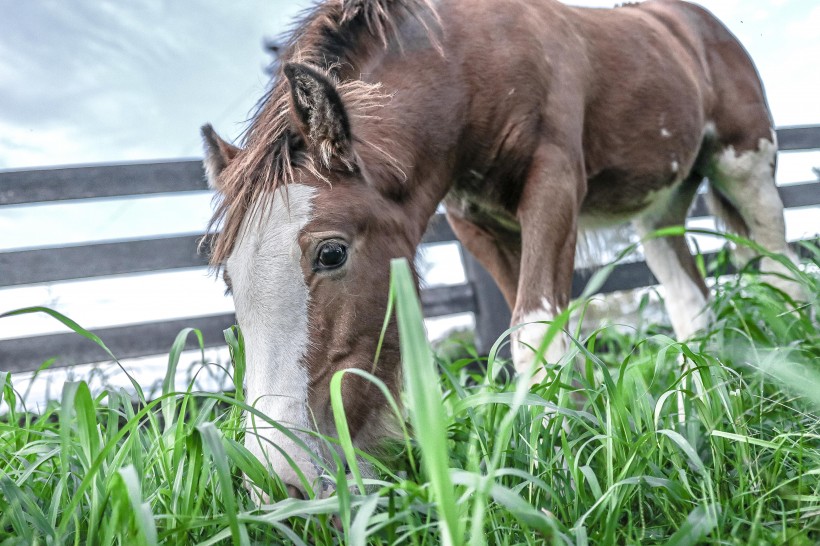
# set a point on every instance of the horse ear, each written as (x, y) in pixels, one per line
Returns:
(218, 154)
(319, 112)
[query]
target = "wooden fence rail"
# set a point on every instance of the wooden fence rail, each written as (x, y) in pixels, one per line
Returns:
(23, 267)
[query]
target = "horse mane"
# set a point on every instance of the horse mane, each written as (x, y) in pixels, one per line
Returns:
(327, 37)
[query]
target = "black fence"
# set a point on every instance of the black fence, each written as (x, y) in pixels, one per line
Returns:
(478, 295)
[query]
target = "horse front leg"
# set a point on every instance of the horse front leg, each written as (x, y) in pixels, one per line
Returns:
(500, 257)
(548, 213)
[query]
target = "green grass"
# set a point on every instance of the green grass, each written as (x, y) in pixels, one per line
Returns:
(600, 453)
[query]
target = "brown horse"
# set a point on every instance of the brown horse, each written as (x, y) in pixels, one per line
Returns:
(529, 119)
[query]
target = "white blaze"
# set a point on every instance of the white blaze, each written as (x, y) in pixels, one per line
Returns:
(271, 299)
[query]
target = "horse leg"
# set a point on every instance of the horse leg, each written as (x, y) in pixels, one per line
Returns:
(672, 263)
(548, 214)
(499, 258)
(742, 177)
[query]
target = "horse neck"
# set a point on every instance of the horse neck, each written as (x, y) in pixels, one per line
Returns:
(426, 196)
(419, 126)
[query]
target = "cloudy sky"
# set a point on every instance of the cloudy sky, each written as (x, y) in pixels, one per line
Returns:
(102, 81)
(94, 81)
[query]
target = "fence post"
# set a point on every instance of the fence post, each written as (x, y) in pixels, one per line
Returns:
(492, 315)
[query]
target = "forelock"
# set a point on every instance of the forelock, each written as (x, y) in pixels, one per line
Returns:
(273, 153)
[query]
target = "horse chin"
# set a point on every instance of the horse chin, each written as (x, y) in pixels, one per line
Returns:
(323, 488)
(326, 486)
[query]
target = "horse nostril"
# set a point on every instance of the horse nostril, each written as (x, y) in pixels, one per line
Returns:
(294, 492)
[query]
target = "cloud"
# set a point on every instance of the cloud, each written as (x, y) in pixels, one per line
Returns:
(113, 81)
(119, 81)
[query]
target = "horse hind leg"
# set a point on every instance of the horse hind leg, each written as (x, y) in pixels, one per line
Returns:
(743, 194)
(670, 260)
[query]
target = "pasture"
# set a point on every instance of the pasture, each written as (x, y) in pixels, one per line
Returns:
(340, 423)
(618, 445)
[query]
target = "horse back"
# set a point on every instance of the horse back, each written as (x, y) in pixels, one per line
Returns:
(737, 106)
(668, 82)
(629, 91)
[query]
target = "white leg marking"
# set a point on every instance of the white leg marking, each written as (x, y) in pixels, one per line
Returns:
(271, 300)
(527, 340)
(748, 181)
(683, 297)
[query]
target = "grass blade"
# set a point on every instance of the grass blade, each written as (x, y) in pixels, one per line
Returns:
(143, 518)
(212, 439)
(424, 394)
(700, 522)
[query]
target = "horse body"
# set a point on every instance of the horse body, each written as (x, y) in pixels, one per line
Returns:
(610, 115)
(529, 119)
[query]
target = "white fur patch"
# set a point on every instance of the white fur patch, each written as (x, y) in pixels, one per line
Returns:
(758, 163)
(665, 132)
(709, 130)
(527, 340)
(683, 298)
(271, 299)
(656, 201)
(652, 200)
(747, 178)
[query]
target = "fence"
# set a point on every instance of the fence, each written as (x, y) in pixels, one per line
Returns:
(478, 295)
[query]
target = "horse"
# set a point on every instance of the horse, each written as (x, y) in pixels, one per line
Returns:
(529, 120)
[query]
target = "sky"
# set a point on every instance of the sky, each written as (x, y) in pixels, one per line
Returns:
(101, 81)
(98, 81)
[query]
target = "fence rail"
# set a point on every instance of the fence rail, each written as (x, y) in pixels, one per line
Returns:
(24, 267)
(98, 181)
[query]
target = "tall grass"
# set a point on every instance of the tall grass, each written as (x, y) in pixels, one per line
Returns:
(619, 445)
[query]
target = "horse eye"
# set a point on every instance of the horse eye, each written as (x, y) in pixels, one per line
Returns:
(331, 255)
